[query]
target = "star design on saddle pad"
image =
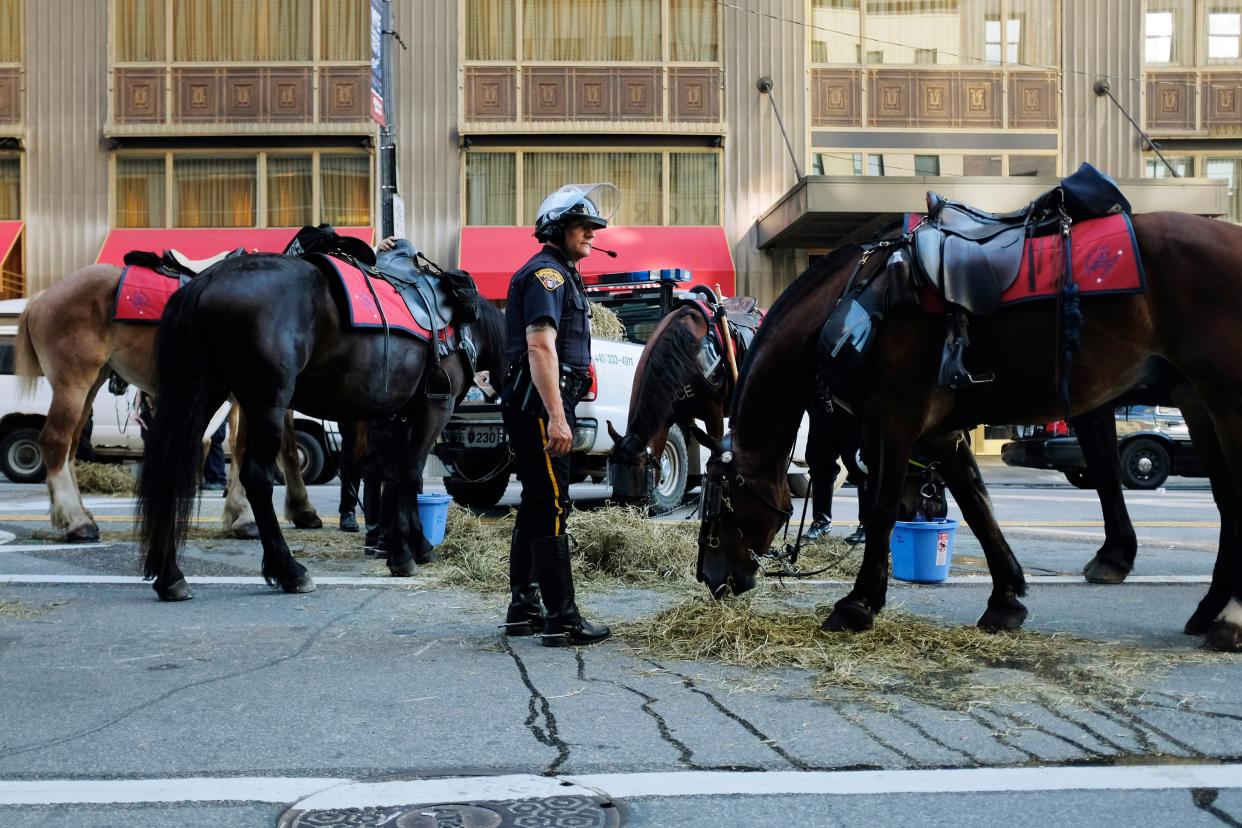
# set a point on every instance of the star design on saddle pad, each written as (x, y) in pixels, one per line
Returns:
(550, 278)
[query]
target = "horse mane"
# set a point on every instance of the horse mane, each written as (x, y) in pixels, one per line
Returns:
(490, 328)
(669, 367)
(793, 296)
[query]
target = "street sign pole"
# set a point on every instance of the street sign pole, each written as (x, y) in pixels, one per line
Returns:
(385, 113)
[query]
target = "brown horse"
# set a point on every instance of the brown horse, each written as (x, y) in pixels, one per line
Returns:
(67, 333)
(1187, 318)
(683, 374)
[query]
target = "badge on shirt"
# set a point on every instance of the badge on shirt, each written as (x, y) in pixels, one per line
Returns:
(550, 278)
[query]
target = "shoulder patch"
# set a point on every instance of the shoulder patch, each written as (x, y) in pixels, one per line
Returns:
(550, 278)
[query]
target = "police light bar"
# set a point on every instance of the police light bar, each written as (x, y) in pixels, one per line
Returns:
(634, 278)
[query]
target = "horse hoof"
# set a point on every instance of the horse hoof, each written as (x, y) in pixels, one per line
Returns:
(179, 591)
(849, 617)
(1101, 571)
(1006, 619)
(1200, 622)
(248, 531)
(302, 584)
(1225, 637)
(87, 533)
(308, 520)
(424, 558)
(403, 570)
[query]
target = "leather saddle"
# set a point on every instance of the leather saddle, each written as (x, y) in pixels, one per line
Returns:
(429, 303)
(969, 256)
(325, 239)
(175, 264)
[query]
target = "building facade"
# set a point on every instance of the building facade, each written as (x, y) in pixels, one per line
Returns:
(773, 129)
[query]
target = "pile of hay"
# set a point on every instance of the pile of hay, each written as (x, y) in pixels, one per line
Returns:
(901, 655)
(104, 478)
(605, 324)
(610, 546)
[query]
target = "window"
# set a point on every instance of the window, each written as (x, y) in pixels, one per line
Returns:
(1224, 30)
(927, 165)
(1159, 46)
(210, 190)
(10, 31)
(947, 165)
(1155, 168)
(140, 192)
(994, 47)
(835, 29)
(1226, 169)
(692, 198)
(838, 163)
(1033, 165)
(244, 31)
(592, 31)
(898, 29)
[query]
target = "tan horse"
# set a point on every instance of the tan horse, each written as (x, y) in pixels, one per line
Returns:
(68, 334)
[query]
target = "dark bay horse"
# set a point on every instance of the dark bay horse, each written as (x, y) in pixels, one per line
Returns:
(273, 332)
(68, 334)
(674, 383)
(1187, 318)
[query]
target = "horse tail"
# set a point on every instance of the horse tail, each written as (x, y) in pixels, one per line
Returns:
(26, 358)
(168, 482)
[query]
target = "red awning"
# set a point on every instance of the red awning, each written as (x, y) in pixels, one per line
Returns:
(492, 254)
(9, 231)
(204, 242)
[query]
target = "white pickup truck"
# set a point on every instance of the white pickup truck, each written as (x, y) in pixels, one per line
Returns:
(473, 448)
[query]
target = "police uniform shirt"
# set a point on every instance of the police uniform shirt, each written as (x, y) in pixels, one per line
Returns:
(549, 287)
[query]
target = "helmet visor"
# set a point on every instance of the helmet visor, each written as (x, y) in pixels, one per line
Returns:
(596, 203)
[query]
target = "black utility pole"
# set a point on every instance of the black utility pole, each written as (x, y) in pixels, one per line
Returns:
(388, 141)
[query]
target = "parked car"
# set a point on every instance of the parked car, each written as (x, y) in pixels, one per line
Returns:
(115, 435)
(1153, 442)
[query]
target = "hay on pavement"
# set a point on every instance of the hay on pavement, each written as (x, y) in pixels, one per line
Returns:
(103, 478)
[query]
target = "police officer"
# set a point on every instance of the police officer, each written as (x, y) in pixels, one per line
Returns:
(548, 343)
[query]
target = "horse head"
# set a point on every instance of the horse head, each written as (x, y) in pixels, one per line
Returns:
(631, 470)
(741, 512)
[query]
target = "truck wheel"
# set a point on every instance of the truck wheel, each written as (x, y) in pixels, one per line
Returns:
(21, 459)
(1144, 464)
(311, 459)
(674, 469)
(481, 495)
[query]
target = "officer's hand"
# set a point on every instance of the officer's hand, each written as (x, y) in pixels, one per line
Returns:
(559, 438)
(387, 244)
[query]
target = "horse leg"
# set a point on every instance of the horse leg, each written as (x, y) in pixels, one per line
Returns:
(264, 426)
(894, 441)
(1097, 434)
(961, 474)
(237, 517)
(298, 508)
(58, 439)
(400, 497)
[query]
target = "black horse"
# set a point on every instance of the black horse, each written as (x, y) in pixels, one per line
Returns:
(273, 331)
(1186, 318)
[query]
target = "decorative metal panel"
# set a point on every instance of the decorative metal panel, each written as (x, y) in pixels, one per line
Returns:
(345, 94)
(139, 95)
(1171, 101)
(979, 100)
(1222, 102)
(892, 98)
(593, 93)
(1033, 100)
(694, 94)
(10, 95)
(196, 95)
(491, 94)
(288, 95)
(547, 93)
(836, 97)
(638, 95)
(243, 96)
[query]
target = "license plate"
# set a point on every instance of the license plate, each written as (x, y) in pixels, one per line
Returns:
(483, 436)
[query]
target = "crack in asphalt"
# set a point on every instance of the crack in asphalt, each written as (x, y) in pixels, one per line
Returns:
(926, 734)
(1205, 800)
(547, 734)
(1144, 728)
(1000, 736)
(306, 645)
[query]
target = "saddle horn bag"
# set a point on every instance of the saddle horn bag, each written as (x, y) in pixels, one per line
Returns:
(846, 338)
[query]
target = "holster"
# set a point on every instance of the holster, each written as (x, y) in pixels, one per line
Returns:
(520, 392)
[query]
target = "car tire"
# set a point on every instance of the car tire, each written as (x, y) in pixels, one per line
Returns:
(670, 490)
(311, 457)
(21, 459)
(482, 494)
(1144, 464)
(1080, 479)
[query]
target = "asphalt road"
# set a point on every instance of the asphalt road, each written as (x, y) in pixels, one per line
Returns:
(375, 701)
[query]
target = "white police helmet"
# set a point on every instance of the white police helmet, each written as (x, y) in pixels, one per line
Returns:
(593, 203)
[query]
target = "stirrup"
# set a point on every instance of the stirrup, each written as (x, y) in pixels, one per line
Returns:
(439, 386)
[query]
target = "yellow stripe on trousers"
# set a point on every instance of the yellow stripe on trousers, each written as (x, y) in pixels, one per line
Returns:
(556, 492)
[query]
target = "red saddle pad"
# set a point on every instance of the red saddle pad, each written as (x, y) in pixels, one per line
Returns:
(142, 295)
(363, 312)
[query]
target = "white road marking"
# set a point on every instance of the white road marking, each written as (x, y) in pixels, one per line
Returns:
(312, 794)
(5, 537)
(37, 547)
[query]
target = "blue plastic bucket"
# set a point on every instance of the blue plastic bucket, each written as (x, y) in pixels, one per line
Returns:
(923, 550)
(433, 513)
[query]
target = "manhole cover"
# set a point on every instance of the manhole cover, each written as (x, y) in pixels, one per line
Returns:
(559, 812)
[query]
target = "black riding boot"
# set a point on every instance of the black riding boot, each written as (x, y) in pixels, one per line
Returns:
(525, 613)
(564, 626)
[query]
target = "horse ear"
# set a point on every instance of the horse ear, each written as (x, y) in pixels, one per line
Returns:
(612, 432)
(705, 439)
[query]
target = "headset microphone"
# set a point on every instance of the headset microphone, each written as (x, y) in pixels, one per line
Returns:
(612, 254)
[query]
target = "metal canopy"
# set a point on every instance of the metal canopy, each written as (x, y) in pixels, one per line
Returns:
(829, 210)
